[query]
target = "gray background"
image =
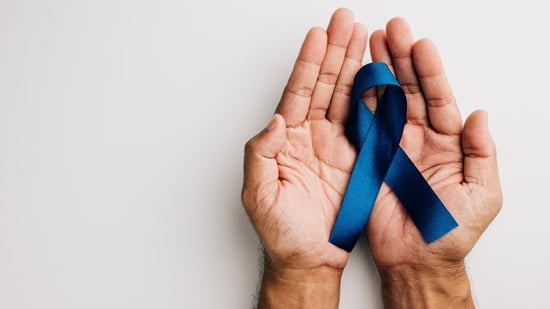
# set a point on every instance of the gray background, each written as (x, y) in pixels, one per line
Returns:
(122, 125)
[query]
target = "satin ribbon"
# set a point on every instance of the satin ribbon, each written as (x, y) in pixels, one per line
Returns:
(380, 158)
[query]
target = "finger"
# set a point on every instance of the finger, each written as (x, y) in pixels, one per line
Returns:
(379, 53)
(400, 43)
(296, 97)
(261, 172)
(339, 33)
(480, 162)
(443, 111)
(339, 106)
(379, 48)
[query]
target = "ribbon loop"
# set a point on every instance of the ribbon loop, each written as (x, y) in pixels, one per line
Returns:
(380, 158)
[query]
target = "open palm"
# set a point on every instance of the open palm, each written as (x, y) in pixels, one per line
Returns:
(297, 170)
(458, 162)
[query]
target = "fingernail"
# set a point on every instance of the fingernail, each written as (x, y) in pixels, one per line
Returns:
(272, 124)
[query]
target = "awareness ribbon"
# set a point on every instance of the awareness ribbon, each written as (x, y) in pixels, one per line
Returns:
(380, 158)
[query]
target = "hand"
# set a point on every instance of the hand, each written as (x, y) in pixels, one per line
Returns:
(297, 169)
(459, 162)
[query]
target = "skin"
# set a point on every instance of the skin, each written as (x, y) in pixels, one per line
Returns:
(297, 169)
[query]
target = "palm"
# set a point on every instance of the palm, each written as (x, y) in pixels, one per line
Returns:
(439, 158)
(304, 166)
(453, 159)
(314, 168)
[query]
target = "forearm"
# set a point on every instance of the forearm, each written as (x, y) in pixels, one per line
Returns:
(299, 288)
(407, 286)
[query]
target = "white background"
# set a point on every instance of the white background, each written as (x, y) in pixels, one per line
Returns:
(122, 125)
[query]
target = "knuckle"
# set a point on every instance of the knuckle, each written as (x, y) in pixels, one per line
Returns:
(411, 88)
(303, 91)
(316, 113)
(328, 77)
(249, 146)
(499, 199)
(343, 89)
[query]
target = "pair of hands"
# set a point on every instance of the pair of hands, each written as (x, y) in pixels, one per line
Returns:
(297, 170)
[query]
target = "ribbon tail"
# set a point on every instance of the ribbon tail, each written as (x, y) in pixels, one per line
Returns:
(428, 213)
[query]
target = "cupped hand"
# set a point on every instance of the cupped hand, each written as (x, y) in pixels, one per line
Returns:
(297, 169)
(458, 161)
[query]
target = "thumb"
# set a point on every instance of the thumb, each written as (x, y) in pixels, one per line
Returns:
(480, 161)
(261, 172)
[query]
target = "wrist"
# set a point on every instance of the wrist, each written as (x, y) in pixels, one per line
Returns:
(426, 286)
(284, 287)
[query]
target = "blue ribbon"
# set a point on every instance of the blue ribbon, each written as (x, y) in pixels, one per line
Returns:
(380, 158)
